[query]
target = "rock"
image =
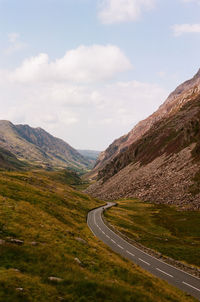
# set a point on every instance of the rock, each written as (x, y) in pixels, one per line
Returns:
(17, 241)
(80, 240)
(55, 279)
(19, 289)
(15, 270)
(78, 261)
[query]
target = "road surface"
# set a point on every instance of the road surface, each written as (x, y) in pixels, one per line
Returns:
(171, 274)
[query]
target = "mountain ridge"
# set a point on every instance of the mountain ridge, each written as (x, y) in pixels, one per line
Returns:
(162, 165)
(37, 145)
(181, 95)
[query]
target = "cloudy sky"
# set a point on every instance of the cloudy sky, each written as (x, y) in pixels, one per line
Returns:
(88, 70)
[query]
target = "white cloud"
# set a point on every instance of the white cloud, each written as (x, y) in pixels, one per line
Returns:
(180, 29)
(83, 64)
(14, 44)
(38, 93)
(117, 11)
(84, 116)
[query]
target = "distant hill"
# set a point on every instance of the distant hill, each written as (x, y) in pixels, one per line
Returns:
(91, 155)
(162, 164)
(9, 160)
(38, 146)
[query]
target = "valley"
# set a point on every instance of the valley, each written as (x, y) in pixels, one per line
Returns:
(49, 254)
(47, 189)
(100, 151)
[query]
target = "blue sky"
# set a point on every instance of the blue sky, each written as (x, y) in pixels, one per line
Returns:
(87, 71)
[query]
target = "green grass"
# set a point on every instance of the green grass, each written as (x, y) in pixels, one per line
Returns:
(40, 207)
(160, 227)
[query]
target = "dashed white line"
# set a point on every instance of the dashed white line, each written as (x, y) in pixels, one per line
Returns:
(144, 261)
(120, 246)
(130, 253)
(191, 286)
(107, 236)
(113, 241)
(164, 272)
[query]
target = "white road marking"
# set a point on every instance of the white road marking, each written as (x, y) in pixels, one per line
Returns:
(144, 261)
(164, 272)
(130, 253)
(95, 220)
(107, 236)
(103, 232)
(113, 241)
(191, 286)
(132, 246)
(120, 246)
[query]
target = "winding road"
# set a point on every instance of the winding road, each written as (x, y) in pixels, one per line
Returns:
(171, 274)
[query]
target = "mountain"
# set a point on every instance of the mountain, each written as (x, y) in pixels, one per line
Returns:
(9, 161)
(91, 155)
(161, 164)
(176, 100)
(38, 146)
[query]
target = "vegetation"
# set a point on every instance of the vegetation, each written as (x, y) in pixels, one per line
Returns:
(160, 227)
(43, 234)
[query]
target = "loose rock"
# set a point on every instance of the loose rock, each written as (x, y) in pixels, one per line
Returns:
(17, 241)
(81, 240)
(78, 261)
(55, 279)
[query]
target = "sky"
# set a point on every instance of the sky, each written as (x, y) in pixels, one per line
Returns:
(88, 70)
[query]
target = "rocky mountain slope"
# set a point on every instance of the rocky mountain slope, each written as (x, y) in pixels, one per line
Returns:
(38, 146)
(162, 164)
(176, 100)
(9, 161)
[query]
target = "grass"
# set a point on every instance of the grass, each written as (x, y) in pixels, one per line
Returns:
(163, 228)
(48, 215)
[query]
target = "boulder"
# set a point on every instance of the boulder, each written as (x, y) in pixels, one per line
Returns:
(80, 240)
(17, 241)
(55, 279)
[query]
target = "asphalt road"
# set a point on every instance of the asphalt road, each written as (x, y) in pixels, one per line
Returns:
(171, 274)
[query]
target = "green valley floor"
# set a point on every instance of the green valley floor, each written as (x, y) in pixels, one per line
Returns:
(47, 252)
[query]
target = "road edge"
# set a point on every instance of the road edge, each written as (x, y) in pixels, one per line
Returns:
(195, 272)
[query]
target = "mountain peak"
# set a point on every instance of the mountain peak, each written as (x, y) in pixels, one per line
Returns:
(197, 75)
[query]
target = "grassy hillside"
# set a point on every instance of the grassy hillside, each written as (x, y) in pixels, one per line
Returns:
(160, 227)
(47, 252)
